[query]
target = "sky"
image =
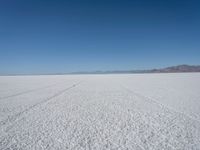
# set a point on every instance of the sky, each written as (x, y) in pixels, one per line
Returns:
(60, 36)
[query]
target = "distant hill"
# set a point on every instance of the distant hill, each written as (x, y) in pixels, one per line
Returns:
(179, 68)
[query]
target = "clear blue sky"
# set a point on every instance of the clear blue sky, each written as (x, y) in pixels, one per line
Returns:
(52, 36)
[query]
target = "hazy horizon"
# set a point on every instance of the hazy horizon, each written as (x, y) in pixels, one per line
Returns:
(120, 71)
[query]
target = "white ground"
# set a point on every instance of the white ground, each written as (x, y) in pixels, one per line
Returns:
(137, 112)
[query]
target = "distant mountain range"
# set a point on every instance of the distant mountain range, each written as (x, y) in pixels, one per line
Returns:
(180, 68)
(173, 69)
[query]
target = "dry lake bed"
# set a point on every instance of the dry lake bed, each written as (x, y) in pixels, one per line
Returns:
(117, 111)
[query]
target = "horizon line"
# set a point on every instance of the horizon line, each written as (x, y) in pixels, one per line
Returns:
(131, 71)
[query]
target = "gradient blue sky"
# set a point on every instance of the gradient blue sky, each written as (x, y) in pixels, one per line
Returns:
(56, 36)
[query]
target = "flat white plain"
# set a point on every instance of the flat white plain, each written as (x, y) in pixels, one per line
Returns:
(130, 111)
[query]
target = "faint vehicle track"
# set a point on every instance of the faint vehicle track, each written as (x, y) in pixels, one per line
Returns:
(148, 99)
(170, 123)
(27, 91)
(15, 116)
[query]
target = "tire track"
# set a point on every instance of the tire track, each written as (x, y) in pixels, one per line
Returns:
(153, 101)
(12, 118)
(171, 122)
(27, 91)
